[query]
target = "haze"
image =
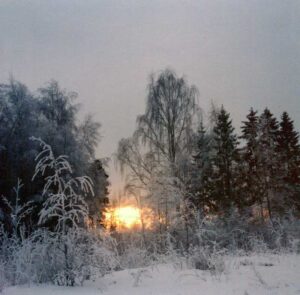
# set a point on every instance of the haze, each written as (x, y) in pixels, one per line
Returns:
(238, 53)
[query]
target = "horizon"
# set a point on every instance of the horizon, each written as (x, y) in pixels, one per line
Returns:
(240, 55)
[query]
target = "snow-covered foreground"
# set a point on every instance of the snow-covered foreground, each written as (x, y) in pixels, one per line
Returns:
(247, 275)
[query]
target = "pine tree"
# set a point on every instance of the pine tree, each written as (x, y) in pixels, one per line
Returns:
(289, 155)
(224, 161)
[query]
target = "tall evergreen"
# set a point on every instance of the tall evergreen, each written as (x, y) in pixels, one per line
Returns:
(99, 202)
(224, 161)
(200, 188)
(289, 155)
(268, 162)
(249, 134)
(248, 164)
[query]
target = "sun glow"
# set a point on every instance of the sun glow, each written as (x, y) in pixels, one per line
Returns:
(127, 217)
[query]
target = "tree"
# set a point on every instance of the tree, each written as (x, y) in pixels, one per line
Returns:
(98, 203)
(88, 136)
(18, 119)
(64, 201)
(67, 253)
(167, 125)
(200, 186)
(140, 162)
(248, 180)
(49, 114)
(268, 163)
(161, 146)
(289, 155)
(64, 194)
(17, 211)
(58, 116)
(224, 161)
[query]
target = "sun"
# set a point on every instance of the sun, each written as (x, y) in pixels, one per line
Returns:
(124, 217)
(128, 216)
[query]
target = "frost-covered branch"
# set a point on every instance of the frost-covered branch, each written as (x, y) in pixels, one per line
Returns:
(64, 194)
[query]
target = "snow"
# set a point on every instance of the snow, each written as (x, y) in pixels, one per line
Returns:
(244, 275)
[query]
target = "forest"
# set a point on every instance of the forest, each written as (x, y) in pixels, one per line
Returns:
(204, 189)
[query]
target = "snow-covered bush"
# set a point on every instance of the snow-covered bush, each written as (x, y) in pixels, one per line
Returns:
(18, 211)
(64, 193)
(67, 255)
(284, 234)
(237, 234)
(89, 254)
(79, 252)
(132, 250)
(204, 258)
(134, 257)
(40, 258)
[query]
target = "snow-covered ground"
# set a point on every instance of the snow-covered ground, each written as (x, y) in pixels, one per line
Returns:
(247, 275)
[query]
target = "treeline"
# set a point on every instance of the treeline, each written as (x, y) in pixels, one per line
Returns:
(257, 173)
(190, 169)
(49, 114)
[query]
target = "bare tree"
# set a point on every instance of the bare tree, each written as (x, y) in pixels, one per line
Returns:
(167, 125)
(157, 154)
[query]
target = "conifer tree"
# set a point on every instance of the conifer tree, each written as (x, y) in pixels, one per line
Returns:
(224, 161)
(289, 155)
(248, 183)
(268, 164)
(200, 189)
(98, 204)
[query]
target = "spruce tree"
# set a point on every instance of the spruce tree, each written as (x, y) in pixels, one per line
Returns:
(201, 186)
(98, 204)
(289, 155)
(248, 165)
(224, 161)
(268, 164)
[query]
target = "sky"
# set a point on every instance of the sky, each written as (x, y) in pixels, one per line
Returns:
(239, 53)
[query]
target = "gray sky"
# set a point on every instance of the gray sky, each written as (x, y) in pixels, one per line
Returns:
(240, 53)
